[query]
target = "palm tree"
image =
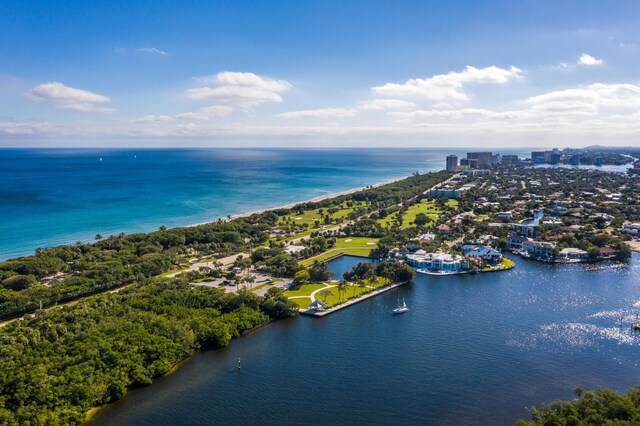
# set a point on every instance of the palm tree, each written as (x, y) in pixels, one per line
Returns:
(98, 237)
(342, 287)
(362, 284)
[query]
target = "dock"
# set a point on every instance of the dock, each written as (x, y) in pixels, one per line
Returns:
(374, 293)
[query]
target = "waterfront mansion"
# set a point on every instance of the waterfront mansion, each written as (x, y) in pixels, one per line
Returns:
(437, 262)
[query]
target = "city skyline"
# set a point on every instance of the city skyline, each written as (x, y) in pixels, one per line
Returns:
(304, 74)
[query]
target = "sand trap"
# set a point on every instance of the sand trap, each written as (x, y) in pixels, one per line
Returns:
(348, 240)
(298, 218)
(371, 243)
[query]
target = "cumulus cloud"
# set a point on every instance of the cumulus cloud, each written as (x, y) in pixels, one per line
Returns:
(319, 113)
(386, 104)
(586, 59)
(66, 97)
(448, 87)
(239, 89)
(151, 51)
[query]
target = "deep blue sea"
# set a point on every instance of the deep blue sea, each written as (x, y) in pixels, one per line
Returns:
(60, 196)
(472, 350)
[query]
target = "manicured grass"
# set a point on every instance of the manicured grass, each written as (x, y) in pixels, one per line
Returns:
(353, 290)
(303, 303)
(505, 264)
(356, 246)
(304, 290)
(427, 207)
(310, 216)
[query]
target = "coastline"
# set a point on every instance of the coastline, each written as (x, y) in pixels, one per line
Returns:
(312, 200)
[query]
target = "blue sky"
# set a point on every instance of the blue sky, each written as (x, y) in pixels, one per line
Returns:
(319, 73)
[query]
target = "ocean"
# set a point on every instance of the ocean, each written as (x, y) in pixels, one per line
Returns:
(60, 196)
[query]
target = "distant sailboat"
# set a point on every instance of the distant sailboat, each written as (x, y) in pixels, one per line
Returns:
(401, 309)
(100, 158)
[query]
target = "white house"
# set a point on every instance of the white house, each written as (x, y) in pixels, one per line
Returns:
(632, 228)
(538, 249)
(437, 261)
(572, 254)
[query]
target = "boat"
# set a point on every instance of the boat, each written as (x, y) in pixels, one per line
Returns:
(401, 309)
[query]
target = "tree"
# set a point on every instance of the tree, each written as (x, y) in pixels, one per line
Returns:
(594, 252)
(98, 237)
(421, 219)
(320, 272)
(324, 294)
(302, 276)
(19, 282)
(342, 287)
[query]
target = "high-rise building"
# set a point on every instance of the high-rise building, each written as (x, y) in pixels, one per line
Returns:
(452, 162)
(509, 160)
(575, 160)
(540, 157)
(485, 159)
(470, 163)
(554, 157)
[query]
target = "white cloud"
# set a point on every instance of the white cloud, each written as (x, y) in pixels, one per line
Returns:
(11, 128)
(448, 87)
(586, 59)
(319, 113)
(151, 51)
(386, 104)
(238, 89)
(153, 119)
(66, 97)
(203, 114)
(597, 95)
(206, 113)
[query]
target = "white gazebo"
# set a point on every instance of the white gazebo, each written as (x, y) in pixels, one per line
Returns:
(318, 305)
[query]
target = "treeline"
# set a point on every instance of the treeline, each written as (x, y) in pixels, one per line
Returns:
(58, 364)
(117, 261)
(384, 196)
(591, 408)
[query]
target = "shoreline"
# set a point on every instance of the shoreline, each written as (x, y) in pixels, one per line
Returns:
(291, 205)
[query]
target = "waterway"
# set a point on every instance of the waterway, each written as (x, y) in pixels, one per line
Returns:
(473, 350)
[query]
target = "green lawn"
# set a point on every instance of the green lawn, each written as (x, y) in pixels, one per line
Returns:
(356, 246)
(351, 291)
(310, 216)
(427, 207)
(304, 290)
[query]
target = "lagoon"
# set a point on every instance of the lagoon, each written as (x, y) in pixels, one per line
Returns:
(473, 350)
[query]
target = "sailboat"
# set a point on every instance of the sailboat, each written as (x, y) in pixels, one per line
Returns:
(401, 309)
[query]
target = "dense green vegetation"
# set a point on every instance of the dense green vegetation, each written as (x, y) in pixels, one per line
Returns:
(65, 273)
(600, 407)
(59, 363)
(116, 261)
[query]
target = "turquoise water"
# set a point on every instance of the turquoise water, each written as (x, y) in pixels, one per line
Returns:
(59, 196)
(472, 350)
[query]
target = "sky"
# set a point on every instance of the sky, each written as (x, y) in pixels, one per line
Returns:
(319, 73)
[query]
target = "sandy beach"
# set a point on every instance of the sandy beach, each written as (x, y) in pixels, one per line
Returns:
(313, 200)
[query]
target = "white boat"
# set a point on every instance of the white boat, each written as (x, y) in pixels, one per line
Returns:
(401, 309)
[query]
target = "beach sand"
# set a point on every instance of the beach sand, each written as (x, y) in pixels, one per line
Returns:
(313, 200)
